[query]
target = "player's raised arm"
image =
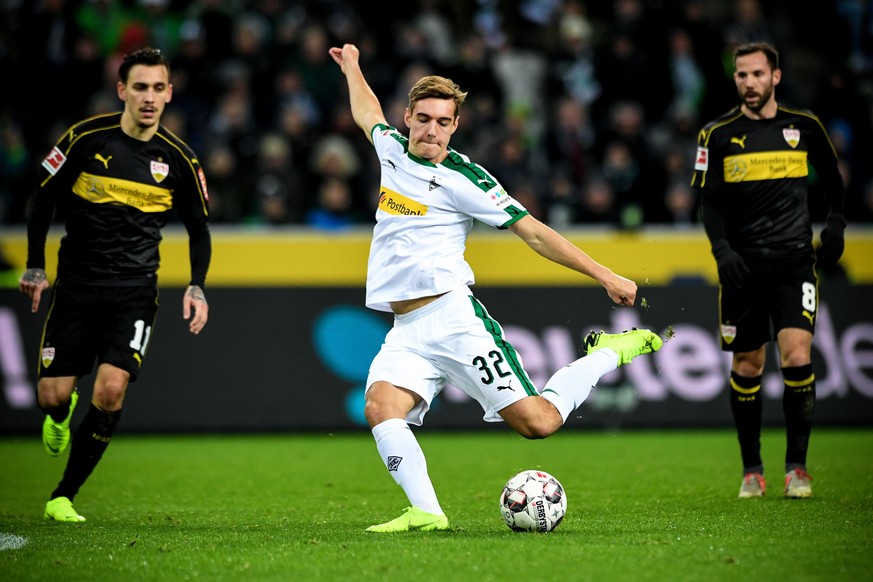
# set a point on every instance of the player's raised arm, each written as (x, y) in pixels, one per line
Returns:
(366, 109)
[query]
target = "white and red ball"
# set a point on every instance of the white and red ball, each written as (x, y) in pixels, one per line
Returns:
(533, 501)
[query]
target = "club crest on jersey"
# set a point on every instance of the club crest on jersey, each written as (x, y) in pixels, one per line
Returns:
(433, 184)
(701, 161)
(54, 160)
(728, 333)
(792, 136)
(159, 171)
(48, 356)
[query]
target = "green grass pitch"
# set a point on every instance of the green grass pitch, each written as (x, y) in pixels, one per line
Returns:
(643, 505)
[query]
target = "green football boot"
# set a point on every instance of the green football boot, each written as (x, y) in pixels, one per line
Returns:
(413, 519)
(627, 344)
(56, 435)
(61, 509)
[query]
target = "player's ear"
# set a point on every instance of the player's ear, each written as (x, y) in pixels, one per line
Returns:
(121, 90)
(169, 93)
(777, 76)
(407, 118)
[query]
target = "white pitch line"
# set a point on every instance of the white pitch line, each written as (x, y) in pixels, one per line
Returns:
(11, 542)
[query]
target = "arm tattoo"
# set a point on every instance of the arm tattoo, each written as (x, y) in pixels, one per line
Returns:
(35, 276)
(196, 293)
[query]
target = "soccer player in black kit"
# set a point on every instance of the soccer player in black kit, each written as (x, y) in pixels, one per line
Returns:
(752, 176)
(115, 178)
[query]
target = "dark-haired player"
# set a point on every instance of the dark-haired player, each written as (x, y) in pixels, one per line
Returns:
(114, 178)
(752, 173)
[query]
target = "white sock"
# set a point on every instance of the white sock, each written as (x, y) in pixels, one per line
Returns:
(405, 462)
(568, 388)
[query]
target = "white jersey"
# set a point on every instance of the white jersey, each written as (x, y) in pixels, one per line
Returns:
(424, 215)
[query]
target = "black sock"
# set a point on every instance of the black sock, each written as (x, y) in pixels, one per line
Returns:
(747, 406)
(90, 441)
(58, 413)
(798, 404)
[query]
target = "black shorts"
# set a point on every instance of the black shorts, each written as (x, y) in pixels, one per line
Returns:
(88, 323)
(778, 293)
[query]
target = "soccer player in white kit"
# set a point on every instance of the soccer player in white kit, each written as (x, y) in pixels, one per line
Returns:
(428, 199)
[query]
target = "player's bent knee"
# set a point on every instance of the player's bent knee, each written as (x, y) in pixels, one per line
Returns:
(532, 418)
(535, 429)
(54, 392)
(384, 401)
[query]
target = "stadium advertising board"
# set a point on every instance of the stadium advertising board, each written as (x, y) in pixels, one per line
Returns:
(284, 359)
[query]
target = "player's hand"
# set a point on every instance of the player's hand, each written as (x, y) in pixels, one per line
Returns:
(621, 290)
(32, 283)
(833, 241)
(732, 269)
(348, 54)
(194, 302)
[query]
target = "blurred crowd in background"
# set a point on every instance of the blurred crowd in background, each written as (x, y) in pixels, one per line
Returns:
(587, 111)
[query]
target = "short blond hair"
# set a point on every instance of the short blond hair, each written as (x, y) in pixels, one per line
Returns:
(436, 87)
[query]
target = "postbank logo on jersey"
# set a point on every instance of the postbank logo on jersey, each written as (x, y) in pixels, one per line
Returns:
(398, 204)
(159, 170)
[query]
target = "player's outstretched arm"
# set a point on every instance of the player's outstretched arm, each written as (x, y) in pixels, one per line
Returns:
(558, 249)
(194, 303)
(366, 109)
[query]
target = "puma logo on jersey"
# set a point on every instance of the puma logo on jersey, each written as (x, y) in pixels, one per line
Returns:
(507, 387)
(740, 141)
(809, 316)
(105, 161)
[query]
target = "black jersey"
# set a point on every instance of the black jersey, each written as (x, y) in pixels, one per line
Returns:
(755, 172)
(116, 193)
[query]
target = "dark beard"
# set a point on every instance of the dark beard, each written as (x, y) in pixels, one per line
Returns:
(765, 97)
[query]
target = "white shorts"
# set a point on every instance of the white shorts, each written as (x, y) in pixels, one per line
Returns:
(452, 340)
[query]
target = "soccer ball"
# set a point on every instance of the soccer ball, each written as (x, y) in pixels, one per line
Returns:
(533, 501)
